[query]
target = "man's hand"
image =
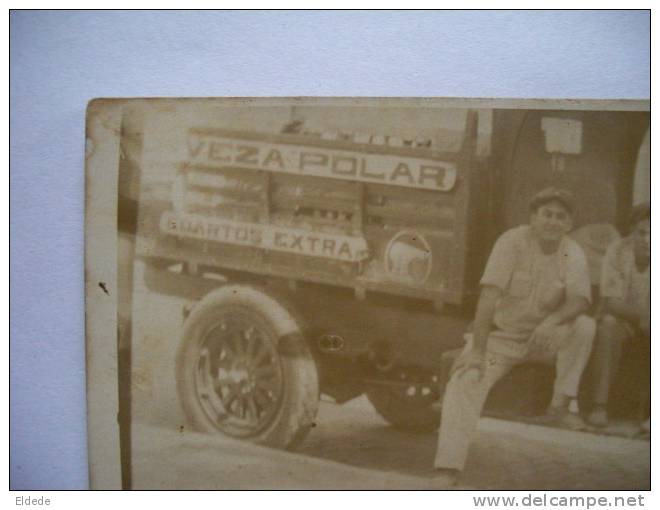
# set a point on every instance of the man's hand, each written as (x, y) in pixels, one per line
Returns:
(541, 337)
(474, 359)
(624, 310)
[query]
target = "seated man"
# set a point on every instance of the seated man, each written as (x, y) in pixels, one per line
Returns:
(624, 314)
(535, 290)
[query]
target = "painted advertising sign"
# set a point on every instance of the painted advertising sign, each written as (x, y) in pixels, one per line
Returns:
(270, 237)
(213, 150)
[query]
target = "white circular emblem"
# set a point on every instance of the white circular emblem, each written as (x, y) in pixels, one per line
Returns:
(408, 257)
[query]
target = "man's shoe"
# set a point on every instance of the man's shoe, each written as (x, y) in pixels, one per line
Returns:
(572, 421)
(565, 418)
(598, 417)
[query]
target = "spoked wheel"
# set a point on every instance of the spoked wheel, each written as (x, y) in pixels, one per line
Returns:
(243, 369)
(239, 378)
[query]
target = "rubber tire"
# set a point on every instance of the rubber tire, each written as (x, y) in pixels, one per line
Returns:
(300, 396)
(401, 412)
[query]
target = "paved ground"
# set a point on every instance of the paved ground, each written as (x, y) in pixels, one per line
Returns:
(505, 455)
(351, 447)
(166, 459)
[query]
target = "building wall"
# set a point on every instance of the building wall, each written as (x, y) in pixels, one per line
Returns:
(601, 175)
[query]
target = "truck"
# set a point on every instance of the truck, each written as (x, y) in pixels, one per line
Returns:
(336, 264)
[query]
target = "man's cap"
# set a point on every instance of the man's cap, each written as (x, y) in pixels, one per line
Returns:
(551, 194)
(639, 212)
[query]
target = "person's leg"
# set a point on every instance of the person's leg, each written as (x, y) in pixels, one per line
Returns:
(461, 408)
(645, 395)
(569, 349)
(611, 335)
(573, 353)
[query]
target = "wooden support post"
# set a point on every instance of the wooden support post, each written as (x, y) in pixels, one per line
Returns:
(265, 213)
(358, 211)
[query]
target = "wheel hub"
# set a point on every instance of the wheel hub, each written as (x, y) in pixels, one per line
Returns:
(239, 377)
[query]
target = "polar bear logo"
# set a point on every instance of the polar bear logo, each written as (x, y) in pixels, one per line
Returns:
(408, 258)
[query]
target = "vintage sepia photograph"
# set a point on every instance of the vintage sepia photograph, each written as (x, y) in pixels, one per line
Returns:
(368, 293)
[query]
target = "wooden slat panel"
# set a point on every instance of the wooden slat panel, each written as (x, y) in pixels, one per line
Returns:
(285, 201)
(367, 148)
(375, 191)
(411, 215)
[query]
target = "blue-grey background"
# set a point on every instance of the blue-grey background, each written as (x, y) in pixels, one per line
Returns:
(60, 60)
